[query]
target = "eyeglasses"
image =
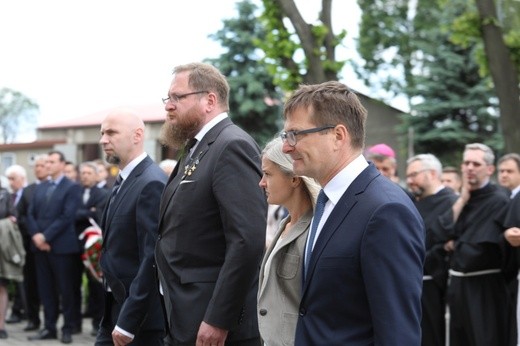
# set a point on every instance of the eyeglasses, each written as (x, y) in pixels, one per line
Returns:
(289, 137)
(415, 174)
(174, 98)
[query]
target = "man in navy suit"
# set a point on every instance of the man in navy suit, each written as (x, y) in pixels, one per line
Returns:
(133, 310)
(364, 256)
(50, 222)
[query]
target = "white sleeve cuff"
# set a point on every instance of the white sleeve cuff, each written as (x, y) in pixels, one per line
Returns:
(124, 332)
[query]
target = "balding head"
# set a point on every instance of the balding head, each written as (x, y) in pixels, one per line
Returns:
(122, 136)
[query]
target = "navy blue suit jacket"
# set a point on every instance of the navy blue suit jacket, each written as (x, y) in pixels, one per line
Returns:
(127, 259)
(364, 282)
(55, 218)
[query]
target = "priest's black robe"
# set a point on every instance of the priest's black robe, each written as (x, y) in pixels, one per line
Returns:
(435, 267)
(512, 219)
(479, 305)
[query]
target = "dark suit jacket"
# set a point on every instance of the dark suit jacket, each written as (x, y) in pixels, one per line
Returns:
(212, 235)
(98, 198)
(22, 208)
(129, 236)
(363, 285)
(55, 218)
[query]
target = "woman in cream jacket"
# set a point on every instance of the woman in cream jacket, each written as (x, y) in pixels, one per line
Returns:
(281, 270)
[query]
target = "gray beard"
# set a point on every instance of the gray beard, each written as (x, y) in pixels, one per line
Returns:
(419, 192)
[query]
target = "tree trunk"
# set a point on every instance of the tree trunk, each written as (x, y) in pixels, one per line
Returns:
(504, 74)
(315, 67)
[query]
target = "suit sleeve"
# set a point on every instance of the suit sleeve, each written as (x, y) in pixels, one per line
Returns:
(30, 221)
(144, 285)
(392, 256)
(22, 209)
(243, 211)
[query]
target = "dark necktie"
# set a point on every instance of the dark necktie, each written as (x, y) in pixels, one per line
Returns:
(186, 159)
(50, 190)
(13, 198)
(115, 189)
(318, 213)
(191, 143)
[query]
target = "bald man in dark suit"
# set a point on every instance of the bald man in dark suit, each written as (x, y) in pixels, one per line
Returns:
(133, 311)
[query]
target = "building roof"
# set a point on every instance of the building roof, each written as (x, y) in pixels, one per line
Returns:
(38, 144)
(149, 113)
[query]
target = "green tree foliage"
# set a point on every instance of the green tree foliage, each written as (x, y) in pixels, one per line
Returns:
(385, 44)
(466, 30)
(254, 101)
(451, 103)
(492, 26)
(15, 110)
(299, 52)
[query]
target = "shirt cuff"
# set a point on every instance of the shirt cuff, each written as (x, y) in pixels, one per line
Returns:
(125, 333)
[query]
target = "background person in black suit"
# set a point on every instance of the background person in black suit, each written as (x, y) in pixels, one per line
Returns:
(30, 281)
(50, 222)
(212, 219)
(432, 199)
(91, 207)
(132, 306)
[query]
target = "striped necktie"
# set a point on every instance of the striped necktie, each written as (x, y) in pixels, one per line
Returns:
(114, 192)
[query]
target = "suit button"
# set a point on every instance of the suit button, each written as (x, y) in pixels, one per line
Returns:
(263, 312)
(159, 237)
(303, 311)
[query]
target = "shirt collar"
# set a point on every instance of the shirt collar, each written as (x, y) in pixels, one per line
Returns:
(58, 180)
(337, 186)
(205, 129)
(125, 172)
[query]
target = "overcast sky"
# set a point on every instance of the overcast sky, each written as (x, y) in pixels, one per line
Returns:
(74, 57)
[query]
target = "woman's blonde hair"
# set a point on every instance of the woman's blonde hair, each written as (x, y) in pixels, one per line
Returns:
(273, 152)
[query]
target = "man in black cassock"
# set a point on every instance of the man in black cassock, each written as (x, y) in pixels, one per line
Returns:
(432, 199)
(509, 177)
(478, 298)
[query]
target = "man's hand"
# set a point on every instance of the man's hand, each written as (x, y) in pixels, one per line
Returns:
(40, 242)
(512, 235)
(211, 336)
(449, 246)
(120, 339)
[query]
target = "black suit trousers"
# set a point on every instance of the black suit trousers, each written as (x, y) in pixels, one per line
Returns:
(107, 325)
(56, 287)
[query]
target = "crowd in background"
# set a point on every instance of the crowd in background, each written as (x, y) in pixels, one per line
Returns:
(19, 278)
(348, 252)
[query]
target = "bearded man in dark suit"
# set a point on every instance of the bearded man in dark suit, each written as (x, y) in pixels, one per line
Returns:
(212, 218)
